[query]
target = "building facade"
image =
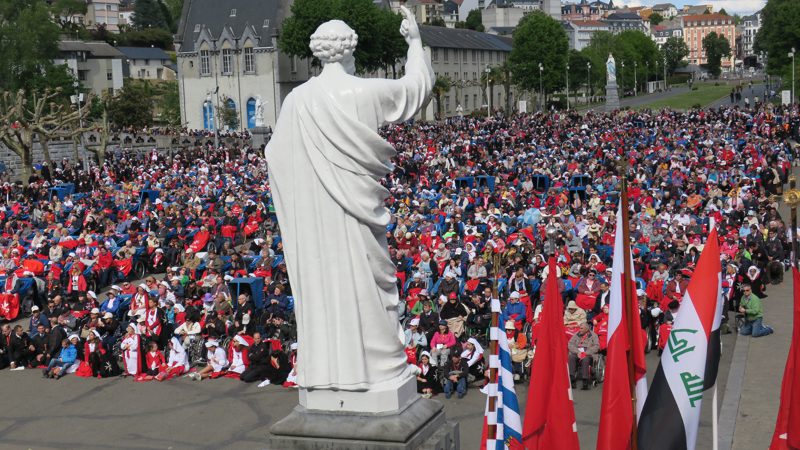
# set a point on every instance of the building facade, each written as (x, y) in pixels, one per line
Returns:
(660, 33)
(102, 12)
(146, 63)
(750, 27)
(96, 65)
(696, 27)
(585, 10)
(580, 32)
(624, 21)
(463, 56)
(665, 10)
(227, 57)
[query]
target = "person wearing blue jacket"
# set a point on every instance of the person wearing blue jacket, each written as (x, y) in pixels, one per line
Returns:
(514, 310)
(58, 366)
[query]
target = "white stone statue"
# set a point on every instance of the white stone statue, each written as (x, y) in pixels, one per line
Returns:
(259, 112)
(326, 160)
(611, 69)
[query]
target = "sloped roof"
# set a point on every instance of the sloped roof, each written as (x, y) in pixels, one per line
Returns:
(144, 53)
(97, 49)
(441, 37)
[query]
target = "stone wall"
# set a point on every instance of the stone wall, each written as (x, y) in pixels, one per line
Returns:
(60, 149)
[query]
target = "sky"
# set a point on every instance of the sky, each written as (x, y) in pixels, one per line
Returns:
(741, 7)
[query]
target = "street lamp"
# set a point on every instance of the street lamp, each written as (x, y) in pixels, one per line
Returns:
(665, 73)
(588, 81)
(646, 76)
(791, 55)
(541, 87)
(488, 95)
(621, 81)
(635, 83)
(567, 75)
(77, 99)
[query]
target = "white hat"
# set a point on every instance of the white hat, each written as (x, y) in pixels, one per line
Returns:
(414, 322)
(143, 286)
(94, 311)
(158, 250)
(72, 254)
(240, 340)
(34, 308)
(293, 346)
(73, 336)
(27, 273)
(165, 283)
(91, 294)
(94, 332)
(108, 315)
(212, 343)
(179, 307)
(514, 294)
(640, 293)
(116, 288)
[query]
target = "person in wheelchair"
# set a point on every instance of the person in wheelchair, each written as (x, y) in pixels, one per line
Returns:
(583, 348)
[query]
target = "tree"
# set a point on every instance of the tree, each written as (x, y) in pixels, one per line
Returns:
(674, 51)
(436, 22)
(132, 106)
(716, 47)
(27, 117)
(63, 10)
(149, 14)
(723, 12)
(29, 40)
(440, 87)
(150, 37)
(474, 20)
(577, 70)
(171, 104)
(378, 47)
(778, 34)
(103, 127)
(656, 19)
(228, 115)
(539, 39)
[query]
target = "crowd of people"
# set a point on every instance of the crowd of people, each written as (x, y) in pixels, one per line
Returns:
(157, 266)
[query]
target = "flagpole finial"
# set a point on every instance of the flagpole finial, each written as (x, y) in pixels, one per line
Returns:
(792, 196)
(622, 166)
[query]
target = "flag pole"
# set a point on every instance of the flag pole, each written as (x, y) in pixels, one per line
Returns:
(627, 295)
(494, 360)
(792, 198)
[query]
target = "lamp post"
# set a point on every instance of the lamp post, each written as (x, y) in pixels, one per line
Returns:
(621, 81)
(665, 73)
(488, 95)
(635, 82)
(791, 55)
(77, 99)
(567, 76)
(588, 81)
(646, 76)
(541, 88)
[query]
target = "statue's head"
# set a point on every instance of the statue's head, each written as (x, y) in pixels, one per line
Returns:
(335, 42)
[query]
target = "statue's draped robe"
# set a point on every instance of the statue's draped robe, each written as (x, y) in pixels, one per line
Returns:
(325, 162)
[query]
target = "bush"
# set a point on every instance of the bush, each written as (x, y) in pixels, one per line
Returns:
(697, 106)
(694, 88)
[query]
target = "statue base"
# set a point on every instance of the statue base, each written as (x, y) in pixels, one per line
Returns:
(612, 97)
(421, 425)
(261, 135)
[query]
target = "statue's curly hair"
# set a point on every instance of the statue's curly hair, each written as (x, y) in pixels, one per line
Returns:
(332, 45)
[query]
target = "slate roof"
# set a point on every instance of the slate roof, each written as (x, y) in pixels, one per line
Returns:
(441, 37)
(144, 53)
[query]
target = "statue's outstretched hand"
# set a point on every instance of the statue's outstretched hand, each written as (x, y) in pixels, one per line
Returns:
(409, 29)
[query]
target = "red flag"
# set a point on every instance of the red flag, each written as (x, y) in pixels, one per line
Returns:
(617, 417)
(550, 415)
(787, 427)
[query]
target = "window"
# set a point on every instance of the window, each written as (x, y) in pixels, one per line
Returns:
(233, 12)
(227, 61)
(466, 101)
(266, 23)
(109, 75)
(249, 60)
(435, 55)
(447, 75)
(205, 63)
(466, 76)
(82, 75)
(197, 28)
(446, 55)
(447, 103)
(474, 76)
(474, 55)
(293, 64)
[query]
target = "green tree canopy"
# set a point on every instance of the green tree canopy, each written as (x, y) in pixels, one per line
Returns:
(716, 47)
(656, 19)
(636, 55)
(674, 51)
(779, 32)
(539, 39)
(149, 14)
(132, 106)
(29, 40)
(474, 20)
(380, 44)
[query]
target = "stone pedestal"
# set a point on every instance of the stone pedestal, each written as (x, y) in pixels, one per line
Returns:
(612, 96)
(261, 136)
(420, 425)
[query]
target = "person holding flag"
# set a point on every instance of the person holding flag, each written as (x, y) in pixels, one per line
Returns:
(671, 415)
(626, 369)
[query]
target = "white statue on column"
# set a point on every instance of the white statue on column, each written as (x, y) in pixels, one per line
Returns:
(326, 160)
(259, 120)
(611, 69)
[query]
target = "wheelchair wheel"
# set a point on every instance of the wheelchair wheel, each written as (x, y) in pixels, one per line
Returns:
(649, 345)
(599, 369)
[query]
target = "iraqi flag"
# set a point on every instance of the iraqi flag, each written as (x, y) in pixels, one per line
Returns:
(689, 364)
(617, 420)
(787, 427)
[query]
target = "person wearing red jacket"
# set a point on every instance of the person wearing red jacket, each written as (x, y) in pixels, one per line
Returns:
(238, 354)
(155, 364)
(102, 267)
(76, 283)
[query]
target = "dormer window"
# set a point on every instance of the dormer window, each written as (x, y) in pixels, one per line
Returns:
(266, 23)
(197, 28)
(233, 12)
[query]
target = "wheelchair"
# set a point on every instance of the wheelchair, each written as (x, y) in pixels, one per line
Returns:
(598, 369)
